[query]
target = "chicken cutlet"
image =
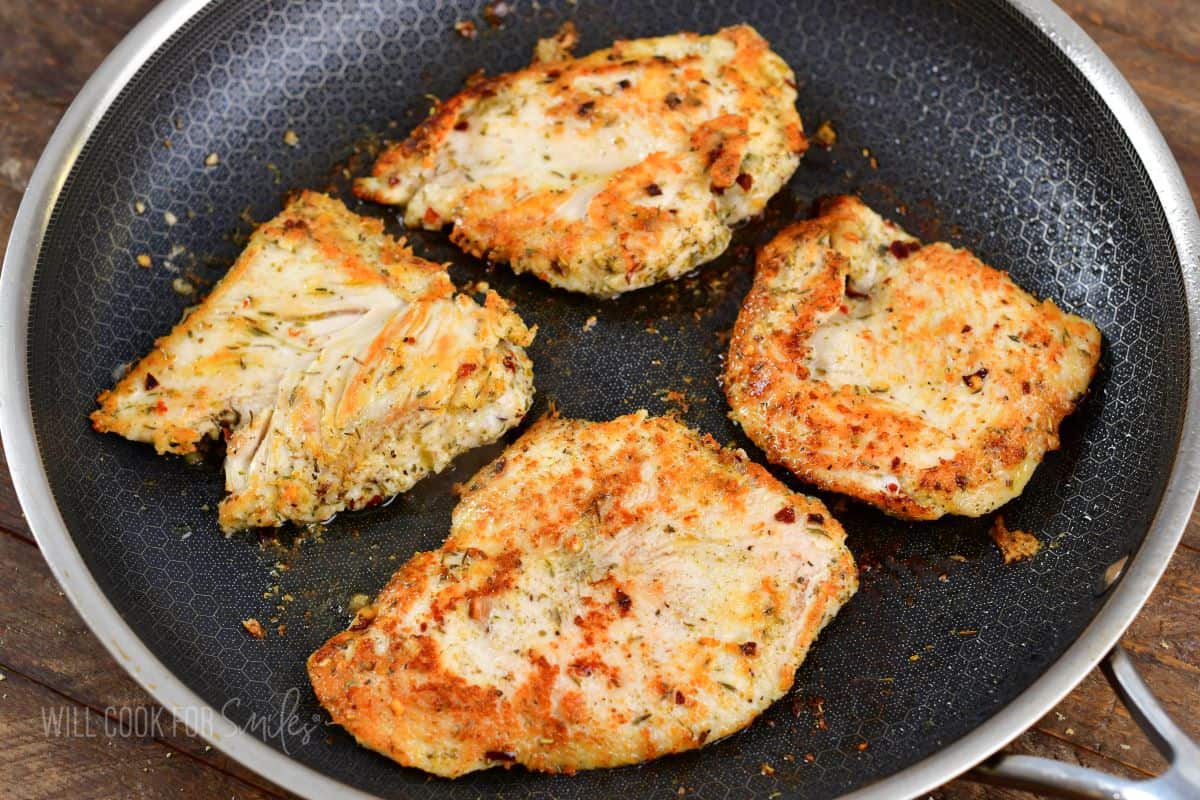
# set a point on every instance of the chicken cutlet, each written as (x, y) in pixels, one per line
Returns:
(609, 593)
(340, 369)
(914, 378)
(605, 173)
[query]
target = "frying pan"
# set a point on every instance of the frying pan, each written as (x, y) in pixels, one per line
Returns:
(998, 126)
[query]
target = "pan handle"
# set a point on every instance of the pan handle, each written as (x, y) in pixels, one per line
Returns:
(1181, 781)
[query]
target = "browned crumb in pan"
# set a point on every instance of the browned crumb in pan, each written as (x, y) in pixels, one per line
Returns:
(254, 628)
(1014, 545)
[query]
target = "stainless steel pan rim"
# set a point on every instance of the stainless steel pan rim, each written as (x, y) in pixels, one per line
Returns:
(33, 489)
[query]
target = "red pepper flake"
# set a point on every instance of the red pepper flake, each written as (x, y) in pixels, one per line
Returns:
(966, 328)
(903, 249)
(653, 190)
(624, 602)
(679, 698)
(702, 737)
(1025, 387)
(466, 369)
(745, 180)
(974, 381)
(461, 125)
(891, 487)
(479, 608)
(160, 406)
(500, 755)
(624, 83)
(509, 364)
(748, 648)
(377, 500)
(430, 217)
(786, 514)
(151, 382)
(363, 618)
(393, 180)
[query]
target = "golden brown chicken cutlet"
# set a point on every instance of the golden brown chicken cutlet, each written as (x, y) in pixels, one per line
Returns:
(609, 593)
(340, 369)
(915, 378)
(608, 172)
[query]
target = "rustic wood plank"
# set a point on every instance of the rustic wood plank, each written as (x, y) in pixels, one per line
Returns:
(1191, 536)
(1165, 644)
(25, 125)
(53, 46)
(47, 51)
(1031, 743)
(1167, 633)
(40, 635)
(55, 748)
(11, 517)
(43, 639)
(1170, 25)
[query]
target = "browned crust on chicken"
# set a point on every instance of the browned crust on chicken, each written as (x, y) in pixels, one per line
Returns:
(916, 379)
(610, 593)
(340, 368)
(608, 172)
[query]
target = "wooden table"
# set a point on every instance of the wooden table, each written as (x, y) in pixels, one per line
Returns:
(51, 662)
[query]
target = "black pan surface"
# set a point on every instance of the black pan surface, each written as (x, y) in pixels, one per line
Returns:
(956, 119)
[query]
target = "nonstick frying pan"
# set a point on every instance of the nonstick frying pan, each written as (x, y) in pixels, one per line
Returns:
(998, 126)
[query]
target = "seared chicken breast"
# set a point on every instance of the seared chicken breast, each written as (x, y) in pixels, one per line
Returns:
(915, 378)
(609, 593)
(340, 368)
(609, 172)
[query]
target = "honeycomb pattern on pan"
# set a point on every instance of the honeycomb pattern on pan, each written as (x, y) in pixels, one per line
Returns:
(980, 133)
